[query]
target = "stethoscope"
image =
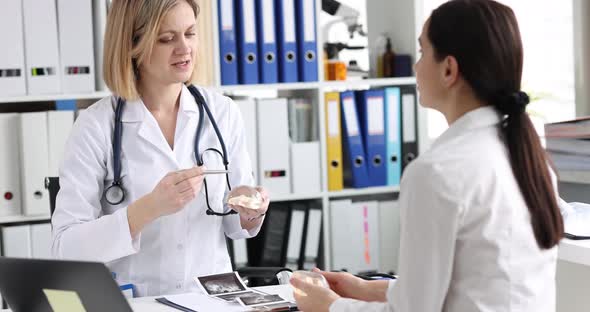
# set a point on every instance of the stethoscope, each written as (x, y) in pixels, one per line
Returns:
(115, 194)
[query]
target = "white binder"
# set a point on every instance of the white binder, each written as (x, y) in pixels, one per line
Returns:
(12, 55)
(35, 165)
(305, 167)
(16, 241)
(41, 47)
(248, 108)
(59, 126)
(389, 238)
(41, 241)
(298, 211)
(312, 238)
(99, 19)
(76, 47)
(10, 192)
(240, 253)
(273, 146)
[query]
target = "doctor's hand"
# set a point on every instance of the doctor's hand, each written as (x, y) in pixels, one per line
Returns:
(249, 214)
(176, 189)
(312, 298)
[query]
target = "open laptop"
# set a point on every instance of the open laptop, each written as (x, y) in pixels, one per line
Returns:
(53, 286)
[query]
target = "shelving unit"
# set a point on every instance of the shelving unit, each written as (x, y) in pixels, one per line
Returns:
(396, 18)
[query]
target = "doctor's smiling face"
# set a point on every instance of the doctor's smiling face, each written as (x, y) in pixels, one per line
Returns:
(173, 54)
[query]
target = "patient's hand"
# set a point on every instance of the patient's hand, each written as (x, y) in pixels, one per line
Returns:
(345, 284)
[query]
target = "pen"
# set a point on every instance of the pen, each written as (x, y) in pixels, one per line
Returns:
(216, 171)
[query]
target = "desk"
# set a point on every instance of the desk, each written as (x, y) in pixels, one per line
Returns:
(573, 274)
(149, 304)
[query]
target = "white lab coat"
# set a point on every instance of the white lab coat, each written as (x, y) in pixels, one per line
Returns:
(466, 238)
(168, 253)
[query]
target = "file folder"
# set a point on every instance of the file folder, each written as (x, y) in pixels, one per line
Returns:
(355, 236)
(296, 236)
(34, 152)
(16, 241)
(267, 43)
(10, 191)
(99, 21)
(273, 146)
(306, 40)
(12, 60)
(228, 58)
(305, 167)
(409, 125)
(247, 45)
(393, 136)
(248, 109)
(76, 48)
(333, 141)
(41, 241)
(59, 126)
(287, 41)
(313, 236)
(41, 47)
(370, 108)
(355, 168)
(389, 236)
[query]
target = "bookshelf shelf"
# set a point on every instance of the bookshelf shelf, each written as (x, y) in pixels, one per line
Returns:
(578, 177)
(21, 218)
(55, 97)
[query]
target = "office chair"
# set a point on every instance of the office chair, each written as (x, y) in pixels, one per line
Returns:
(252, 276)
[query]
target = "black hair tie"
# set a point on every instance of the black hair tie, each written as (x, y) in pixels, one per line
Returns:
(513, 104)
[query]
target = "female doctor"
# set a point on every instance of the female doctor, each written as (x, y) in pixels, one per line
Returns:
(479, 216)
(134, 193)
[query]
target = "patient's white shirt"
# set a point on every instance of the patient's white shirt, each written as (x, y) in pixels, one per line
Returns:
(467, 242)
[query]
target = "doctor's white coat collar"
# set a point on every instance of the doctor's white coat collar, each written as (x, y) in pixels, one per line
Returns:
(135, 110)
(478, 118)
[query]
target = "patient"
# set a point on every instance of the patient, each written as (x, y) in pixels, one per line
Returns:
(479, 216)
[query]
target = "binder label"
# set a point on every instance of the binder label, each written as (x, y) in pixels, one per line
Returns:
(409, 123)
(227, 18)
(249, 20)
(268, 20)
(308, 10)
(392, 118)
(289, 20)
(333, 118)
(375, 115)
(350, 115)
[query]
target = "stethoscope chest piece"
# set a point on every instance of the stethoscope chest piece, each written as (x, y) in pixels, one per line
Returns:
(115, 194)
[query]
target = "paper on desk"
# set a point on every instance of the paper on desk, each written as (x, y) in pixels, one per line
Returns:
(576, 218)
(202, 302)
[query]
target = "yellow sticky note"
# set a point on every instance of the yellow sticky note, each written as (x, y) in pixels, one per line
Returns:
(64, 300)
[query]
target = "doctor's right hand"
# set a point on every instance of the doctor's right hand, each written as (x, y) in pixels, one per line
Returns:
(176, 189)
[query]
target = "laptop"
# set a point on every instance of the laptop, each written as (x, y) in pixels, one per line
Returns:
(34, 285)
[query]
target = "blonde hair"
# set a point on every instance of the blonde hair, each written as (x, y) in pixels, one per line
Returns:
(131, 30)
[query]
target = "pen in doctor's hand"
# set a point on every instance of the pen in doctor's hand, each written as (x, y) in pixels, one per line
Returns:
(215, 172)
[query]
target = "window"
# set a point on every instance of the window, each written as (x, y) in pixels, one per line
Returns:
(546, 28)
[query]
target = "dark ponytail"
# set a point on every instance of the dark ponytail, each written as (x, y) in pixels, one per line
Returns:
(484, 38)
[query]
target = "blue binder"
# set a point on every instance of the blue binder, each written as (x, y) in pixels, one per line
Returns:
(247, 46)
(370, 105)
(354, 160)
(306, 41)
(228, 59)
(287, 42)
(267, 42)
(393, 139)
